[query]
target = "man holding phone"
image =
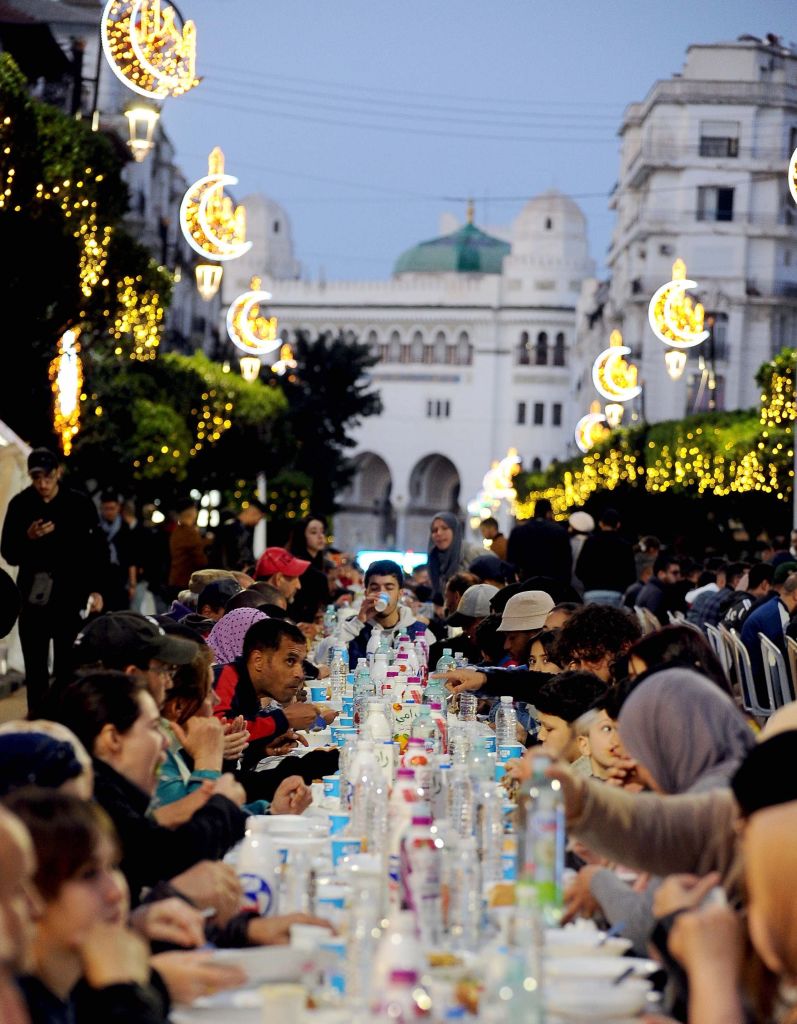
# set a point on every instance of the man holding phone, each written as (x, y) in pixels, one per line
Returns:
(52, 533)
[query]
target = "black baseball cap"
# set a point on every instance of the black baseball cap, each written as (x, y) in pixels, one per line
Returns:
(127, 638)
(218, 593)
(42, 460)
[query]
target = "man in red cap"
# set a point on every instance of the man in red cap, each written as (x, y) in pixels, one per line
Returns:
(282, 570)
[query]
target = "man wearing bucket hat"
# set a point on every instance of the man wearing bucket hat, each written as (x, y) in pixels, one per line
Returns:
(523, 617)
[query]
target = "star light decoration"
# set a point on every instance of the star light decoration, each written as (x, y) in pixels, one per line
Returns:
(146, 48)
(66, 382)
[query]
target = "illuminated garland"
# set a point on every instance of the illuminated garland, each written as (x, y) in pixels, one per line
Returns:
(140, 318)
(212, 418)
(776, 380)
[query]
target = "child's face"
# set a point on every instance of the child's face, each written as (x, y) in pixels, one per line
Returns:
(601, 744)
(538, 660)
(557, 737)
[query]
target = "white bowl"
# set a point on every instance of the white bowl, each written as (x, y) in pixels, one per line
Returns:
(596, 1001)
(601, 968)
(584, 942)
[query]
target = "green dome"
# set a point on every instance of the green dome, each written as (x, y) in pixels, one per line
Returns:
(466, 251)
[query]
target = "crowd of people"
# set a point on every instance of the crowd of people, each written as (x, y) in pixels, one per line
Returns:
(155, 736)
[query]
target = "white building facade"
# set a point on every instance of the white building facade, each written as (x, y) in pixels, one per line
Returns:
(474, 338)
(703, 178)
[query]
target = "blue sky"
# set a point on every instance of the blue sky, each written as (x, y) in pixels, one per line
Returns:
(369, 120)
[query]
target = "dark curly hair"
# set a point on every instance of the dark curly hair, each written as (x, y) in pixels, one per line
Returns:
(569, 695)
(594, 631)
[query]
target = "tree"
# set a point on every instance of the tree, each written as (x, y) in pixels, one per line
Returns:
(328, 396)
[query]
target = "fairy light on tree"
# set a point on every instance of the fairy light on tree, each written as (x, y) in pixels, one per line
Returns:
(66, 381)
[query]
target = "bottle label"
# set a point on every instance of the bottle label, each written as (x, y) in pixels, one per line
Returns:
(257, 894)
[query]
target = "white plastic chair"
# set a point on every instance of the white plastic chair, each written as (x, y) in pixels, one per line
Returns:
(647, 620)
(778, 681)
(718, 646)
(744, 673)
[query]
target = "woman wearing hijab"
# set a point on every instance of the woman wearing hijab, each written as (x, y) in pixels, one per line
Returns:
(308, 542)
(686, 737)
(448, 552)
(226, 639)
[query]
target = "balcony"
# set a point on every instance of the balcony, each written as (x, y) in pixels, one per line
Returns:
(657, 155)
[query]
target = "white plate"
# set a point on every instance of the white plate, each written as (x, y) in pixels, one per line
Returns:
(596, 1001)
(600, 967)
(264, 964)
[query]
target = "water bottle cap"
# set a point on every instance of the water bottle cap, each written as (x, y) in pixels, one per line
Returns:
(392, 673)
(436, 707)
(406, 773)
(446, 651)
(506, 700)
(405, 976)
(413, 679)
(417, 741)
(402, 654)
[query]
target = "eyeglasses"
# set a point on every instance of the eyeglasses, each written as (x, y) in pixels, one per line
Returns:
(163, 670)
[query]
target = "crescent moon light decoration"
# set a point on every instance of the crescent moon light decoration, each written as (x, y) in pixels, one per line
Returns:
(613, 377)
(673, 317)
(793, 176)
(248, 329)
(591, 428)
(146, 50)
(212, 225)
(66, 381)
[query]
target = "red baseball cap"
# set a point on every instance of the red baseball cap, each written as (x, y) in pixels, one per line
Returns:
(279, 560)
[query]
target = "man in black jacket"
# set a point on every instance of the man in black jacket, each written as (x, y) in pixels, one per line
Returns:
(606, 565)
(540, 547)
(52, 533)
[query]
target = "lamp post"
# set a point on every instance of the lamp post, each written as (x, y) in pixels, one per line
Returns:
(141, 122)
(250, 367)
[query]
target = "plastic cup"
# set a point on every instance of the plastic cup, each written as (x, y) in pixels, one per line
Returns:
(331, 785)
(506, 751)
(318, 694)
(348, 705)
(338, 821)
(344, 846)
(339, 735)
(500, 771)
(346, 721)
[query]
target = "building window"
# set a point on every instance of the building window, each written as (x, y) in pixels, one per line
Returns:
(464, 349)
(714, 203)
(717, 344)
(559, 350)
(719, 138)
(405, 354)
(548, 224)
(276, 227)
(440, 347)
(394, 347)
(541, 349)
(523, 354)
(416, 353)
(556, 414)
(701, 397)
(520, 417)
(536, 465)
(437, 409)
(539, 414)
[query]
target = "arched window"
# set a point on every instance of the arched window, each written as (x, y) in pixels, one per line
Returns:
(416, 354)
(536, 465)
(440, 347)
(523, 354)
(559, 350)
(548, 224)
(541, 349)
(464, 349)
(394, 347)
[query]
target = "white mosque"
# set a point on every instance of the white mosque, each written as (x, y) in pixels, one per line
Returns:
(474, 335)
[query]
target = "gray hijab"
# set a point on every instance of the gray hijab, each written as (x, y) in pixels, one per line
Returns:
(685, 731)
(443, 564)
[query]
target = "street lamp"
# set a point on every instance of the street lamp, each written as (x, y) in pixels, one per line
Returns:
(208, 279)
(676, 362)
(141, 121)
(250, 367)
(614, 414)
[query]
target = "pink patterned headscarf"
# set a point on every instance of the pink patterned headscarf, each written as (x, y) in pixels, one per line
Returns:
(226, 639)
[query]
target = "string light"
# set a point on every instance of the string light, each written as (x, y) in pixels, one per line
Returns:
(145, 48)
(249, 330)
(66, 382)
(212, 418)
(140, 318)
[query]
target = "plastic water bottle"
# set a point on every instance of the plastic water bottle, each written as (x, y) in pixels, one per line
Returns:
(345, 762)
(375, 724)
(257, 868)
(338, 671)
(467, 707)
(424, 728)
(462, 804)
(379, 671)
(541, 845)
(445, 662)
(440, 779)
(363, 688)
(464, 888)
(362, 920)
(372, 646)
(505, 722)
(422, 876)
(404, 797)
(435, 692)
(368, 789)
(491, 834)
